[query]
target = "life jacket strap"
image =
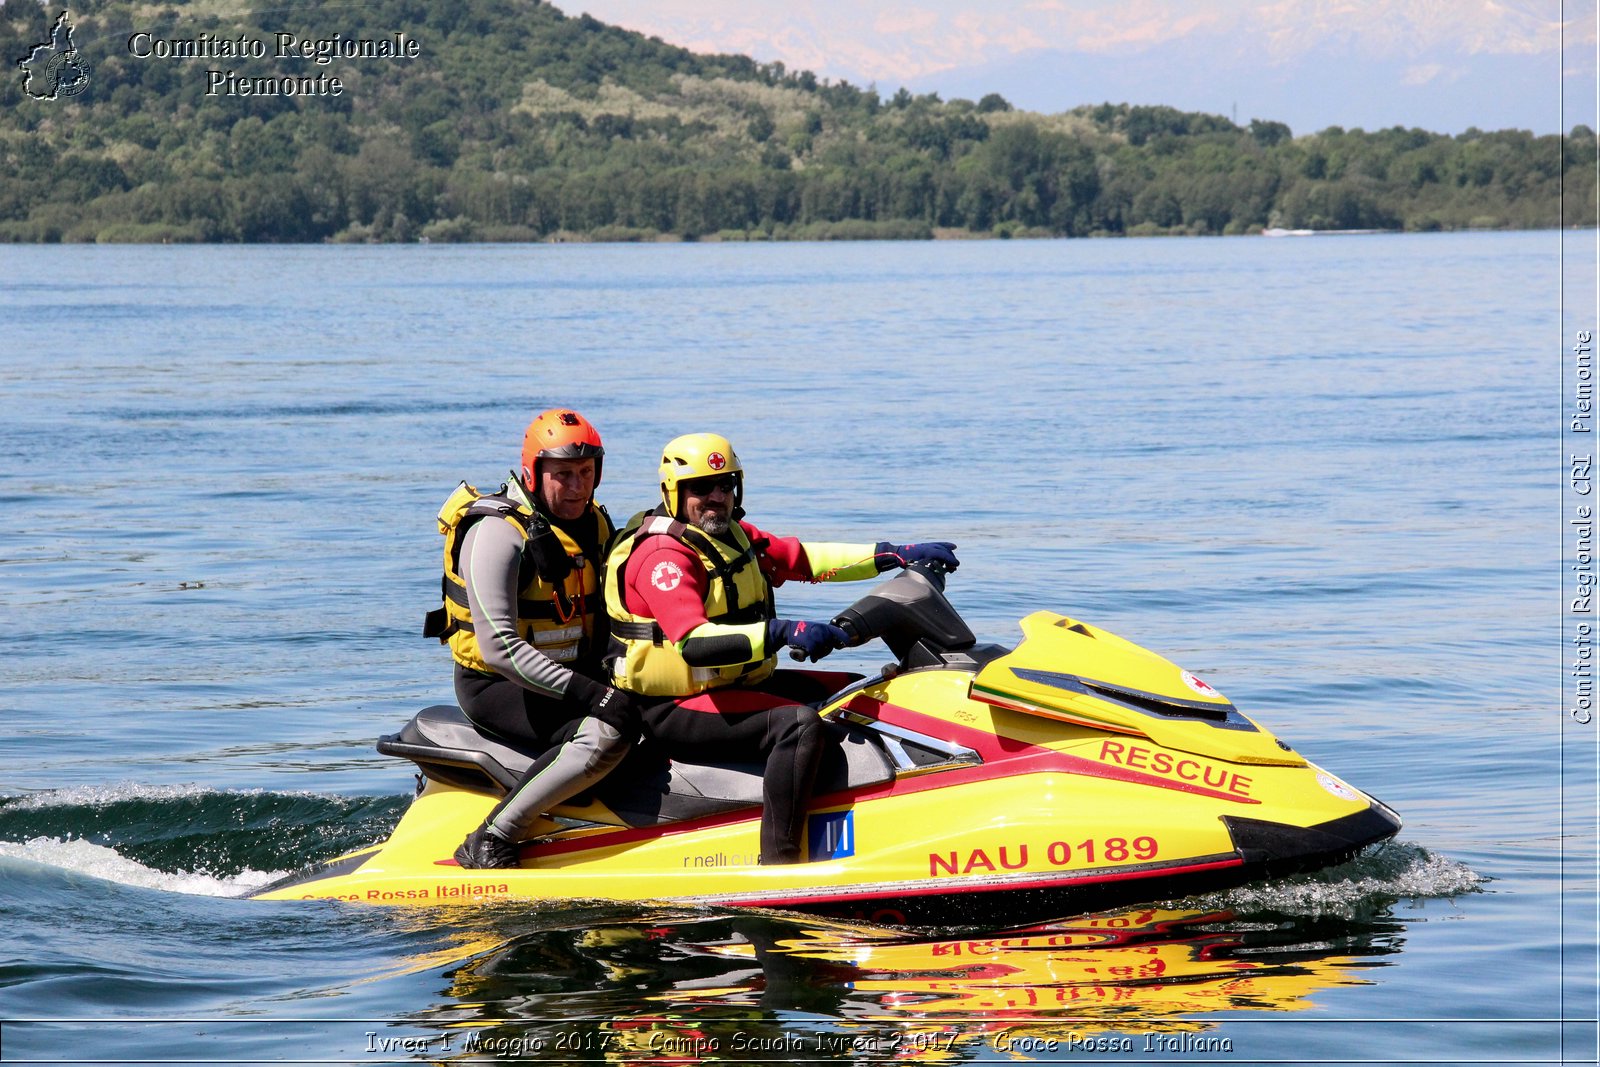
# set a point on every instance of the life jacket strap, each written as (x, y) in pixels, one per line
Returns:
(639, 631)
(437, 623)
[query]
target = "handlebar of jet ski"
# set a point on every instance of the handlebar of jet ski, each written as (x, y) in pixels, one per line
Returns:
(932, 570)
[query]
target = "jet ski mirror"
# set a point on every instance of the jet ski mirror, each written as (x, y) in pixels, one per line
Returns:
(907, 609)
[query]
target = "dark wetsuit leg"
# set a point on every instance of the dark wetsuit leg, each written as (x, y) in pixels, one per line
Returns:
(575, 750)
(789, 737)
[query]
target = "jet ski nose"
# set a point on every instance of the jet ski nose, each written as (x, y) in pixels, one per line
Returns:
(1279, 848)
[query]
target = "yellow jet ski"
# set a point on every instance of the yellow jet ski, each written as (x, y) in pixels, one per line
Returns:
(1074, 771)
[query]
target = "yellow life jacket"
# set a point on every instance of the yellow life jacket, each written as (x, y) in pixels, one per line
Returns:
(558, 599)
(642, 659)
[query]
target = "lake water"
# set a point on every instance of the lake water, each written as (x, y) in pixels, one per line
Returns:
(1326, 474)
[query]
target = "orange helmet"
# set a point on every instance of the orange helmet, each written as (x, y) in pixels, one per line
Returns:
(559, 433)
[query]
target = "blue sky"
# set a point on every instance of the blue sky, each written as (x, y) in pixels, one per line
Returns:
(1443, 65)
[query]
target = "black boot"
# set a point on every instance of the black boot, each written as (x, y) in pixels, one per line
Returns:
(484, 848)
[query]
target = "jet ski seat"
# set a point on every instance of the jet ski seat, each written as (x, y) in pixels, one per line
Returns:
(646, 789)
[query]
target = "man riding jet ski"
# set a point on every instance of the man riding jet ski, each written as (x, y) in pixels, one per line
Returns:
(694, 631)
(1069, 770)
(521, 613)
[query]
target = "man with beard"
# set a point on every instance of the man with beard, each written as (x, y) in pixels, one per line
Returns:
(695, 633)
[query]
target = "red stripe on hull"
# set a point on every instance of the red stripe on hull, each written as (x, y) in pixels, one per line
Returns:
(1002, 759)
(865, 894)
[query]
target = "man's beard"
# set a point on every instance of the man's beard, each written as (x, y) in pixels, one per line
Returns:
(714, 524)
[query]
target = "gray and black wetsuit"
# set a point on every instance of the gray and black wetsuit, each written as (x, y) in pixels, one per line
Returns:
(530, 699)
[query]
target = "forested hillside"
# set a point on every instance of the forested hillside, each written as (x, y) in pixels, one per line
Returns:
(516, 122)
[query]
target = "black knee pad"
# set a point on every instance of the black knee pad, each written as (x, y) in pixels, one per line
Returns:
(809, 724)
(618, 710)
(794, 724)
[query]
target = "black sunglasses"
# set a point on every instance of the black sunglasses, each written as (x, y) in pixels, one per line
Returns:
(702, 486)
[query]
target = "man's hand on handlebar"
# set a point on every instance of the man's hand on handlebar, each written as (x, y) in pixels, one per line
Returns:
(940, 555)
(806, 640)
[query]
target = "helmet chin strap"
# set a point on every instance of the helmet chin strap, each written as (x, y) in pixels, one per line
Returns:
(675, 509)
(520, 480)
(532, 492)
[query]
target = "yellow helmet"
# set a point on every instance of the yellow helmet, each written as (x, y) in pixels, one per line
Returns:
(698, 455)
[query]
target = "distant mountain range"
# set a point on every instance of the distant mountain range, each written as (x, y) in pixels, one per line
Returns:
(1441, 65)
(1317, 89)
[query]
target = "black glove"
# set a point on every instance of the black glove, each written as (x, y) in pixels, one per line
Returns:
(940, 552)
(814, 639)
(611, 706)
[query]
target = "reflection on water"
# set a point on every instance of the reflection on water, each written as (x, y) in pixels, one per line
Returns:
(568, 982)
(768, 987)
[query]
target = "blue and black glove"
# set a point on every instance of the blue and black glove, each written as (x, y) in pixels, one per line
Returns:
(813, 639)
(939, 552)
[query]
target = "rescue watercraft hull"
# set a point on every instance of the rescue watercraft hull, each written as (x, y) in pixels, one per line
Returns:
(1074, 771)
